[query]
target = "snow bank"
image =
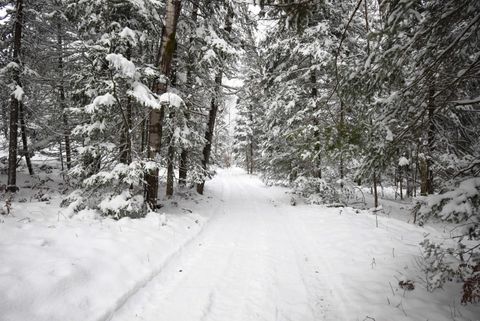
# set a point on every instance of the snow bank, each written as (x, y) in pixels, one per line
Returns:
(81, 268)
(365, 269)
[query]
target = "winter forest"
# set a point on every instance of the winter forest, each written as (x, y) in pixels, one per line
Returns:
(276, 160)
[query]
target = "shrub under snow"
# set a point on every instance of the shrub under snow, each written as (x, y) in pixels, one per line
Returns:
(315, 190)
(459, 205)
(116, 192)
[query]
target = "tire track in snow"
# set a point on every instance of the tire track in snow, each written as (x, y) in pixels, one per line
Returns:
(169, 261)
(170, 278)
(249, 266)
(320, 285)
(244, 301)
(106, 316)
(296, 265)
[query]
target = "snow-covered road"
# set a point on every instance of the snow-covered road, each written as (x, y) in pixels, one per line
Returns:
(251, 262)
(241, 252)
(259, 258)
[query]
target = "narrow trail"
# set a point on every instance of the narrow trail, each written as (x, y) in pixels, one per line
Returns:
(253, 261)
(242, 254)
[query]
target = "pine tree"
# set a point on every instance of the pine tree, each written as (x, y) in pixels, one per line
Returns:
(16, 96)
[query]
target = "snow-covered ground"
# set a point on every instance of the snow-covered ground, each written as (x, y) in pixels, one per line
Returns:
(242, 252)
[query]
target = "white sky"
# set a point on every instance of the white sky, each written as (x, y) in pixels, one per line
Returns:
(231, 102)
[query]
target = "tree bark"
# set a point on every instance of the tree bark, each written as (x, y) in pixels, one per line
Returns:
(66, 129)
(5, 110)
(14, 103)
(251, 141)
(426, 172)
(423, 170)
(431, 136)
(408, 171)
(341, 139)
(183, 166)
(400, 181)
(144, 138)
(251, 158)
(23, 133)
(167, 48)
(318, 157)
(60, 152)
(171, 138)
(212, 115)
(126, 137)
(170, 159)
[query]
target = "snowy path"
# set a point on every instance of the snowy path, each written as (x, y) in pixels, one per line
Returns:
(239, 253)
(249, 263)
(259, 258)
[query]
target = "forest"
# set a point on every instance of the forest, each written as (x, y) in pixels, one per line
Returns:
(156, 115)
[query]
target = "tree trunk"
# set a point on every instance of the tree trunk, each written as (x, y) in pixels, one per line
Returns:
(423, 170)
(212, 115)
(60, 152)
(183, 166)
(213, 111)
(395, 178)
(130, 123)
(5, 119)
(144, 139)
(341, 139)
(23, 133)
(426, 173)
(400, 181)
(318, 157)
(170, 159)
(154, 141)
(375, 191)
(251, 141)
(126, 136)
(171, 138)
(167, 48)
(170, 176)
(365, 9)
(416, 172)
(431, 136)
(66, 129)
(408, 171)
(251, 158)
(14, 104)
